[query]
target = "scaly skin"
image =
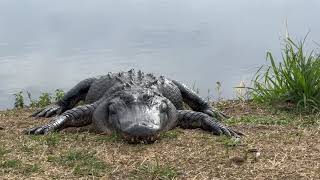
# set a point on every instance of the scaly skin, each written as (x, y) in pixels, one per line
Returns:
(138, 106)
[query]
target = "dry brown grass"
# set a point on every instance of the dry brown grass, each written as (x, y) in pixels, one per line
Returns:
(287, 152)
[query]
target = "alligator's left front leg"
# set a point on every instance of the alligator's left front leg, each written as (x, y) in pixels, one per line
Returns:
(68, 101)
(191, 119)
(76, 117)
(197, 103)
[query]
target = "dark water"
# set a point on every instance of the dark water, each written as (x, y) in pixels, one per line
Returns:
(45, 45)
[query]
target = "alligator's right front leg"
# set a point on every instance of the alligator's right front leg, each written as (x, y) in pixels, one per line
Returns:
(76, 117)
(69, 100)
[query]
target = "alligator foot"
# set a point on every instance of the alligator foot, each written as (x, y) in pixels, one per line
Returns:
(216, 114)
(48, 111)
(76, 117)
(55, 125)
(192, 119)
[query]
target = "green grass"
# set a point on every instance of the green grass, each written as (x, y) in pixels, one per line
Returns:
(154, 171)
(30, 168)
(172, 134)
(294, 80)
(27, 148)
(263, 120)
(229, 142)
(81, 162)
(3, 151)
(15, 165)
(114, 137)
(11, 163)
(51, 139)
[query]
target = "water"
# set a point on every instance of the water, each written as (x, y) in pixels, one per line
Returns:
(45, 45)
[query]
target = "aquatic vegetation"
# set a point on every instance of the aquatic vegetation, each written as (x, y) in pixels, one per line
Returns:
(294, 81)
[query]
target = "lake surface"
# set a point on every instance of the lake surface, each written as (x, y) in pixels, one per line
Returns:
(45, 45)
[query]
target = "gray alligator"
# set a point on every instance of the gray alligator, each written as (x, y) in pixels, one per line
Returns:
(138, 106)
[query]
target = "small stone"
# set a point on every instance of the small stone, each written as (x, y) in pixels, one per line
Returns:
(253, 150)
(258, 154)
(238, 160)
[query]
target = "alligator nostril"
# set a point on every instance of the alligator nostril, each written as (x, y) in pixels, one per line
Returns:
(163, 107)
(144, 124)
(140, 130)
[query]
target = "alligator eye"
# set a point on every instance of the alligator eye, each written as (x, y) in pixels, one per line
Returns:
(146, 97)
(163, 107)
(112, 109)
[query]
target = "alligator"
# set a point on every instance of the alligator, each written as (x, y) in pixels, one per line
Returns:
(136, 105)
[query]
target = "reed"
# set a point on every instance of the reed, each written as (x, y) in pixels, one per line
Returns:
(294, 80)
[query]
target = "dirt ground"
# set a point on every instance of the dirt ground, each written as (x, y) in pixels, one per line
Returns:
(265, 152)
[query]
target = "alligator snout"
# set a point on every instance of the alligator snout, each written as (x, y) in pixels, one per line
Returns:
(141, 130)
(141, 133)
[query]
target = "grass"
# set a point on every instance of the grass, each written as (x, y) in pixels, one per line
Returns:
(277, 151)
(30, 169)
(293, 81)
(228, 142)
(114, 137)
(11, 163)
(3, 152)
(154, 171)
(81, 162)
(173, 134)
(246, 113)
(51, 139)
(16, 166)
(259, 120)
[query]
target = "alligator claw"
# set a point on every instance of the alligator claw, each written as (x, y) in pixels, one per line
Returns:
(48, 111)
(220, 129)
(39, 130)
(215, 113)
(229, 132)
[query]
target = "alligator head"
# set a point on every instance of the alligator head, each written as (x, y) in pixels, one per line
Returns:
(138, 114)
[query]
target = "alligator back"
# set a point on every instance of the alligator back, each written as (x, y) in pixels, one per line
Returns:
(164, 86)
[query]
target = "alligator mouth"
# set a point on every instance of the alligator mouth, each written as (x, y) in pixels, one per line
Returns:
(141, 139)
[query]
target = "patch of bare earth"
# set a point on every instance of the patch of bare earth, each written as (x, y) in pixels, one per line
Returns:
(266, 152)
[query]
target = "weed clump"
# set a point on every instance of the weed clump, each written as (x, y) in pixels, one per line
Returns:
(44, 99)
(293, 82)
(19, 102)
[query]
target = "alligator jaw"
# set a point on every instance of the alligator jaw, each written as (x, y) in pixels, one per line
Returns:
(141, 139)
